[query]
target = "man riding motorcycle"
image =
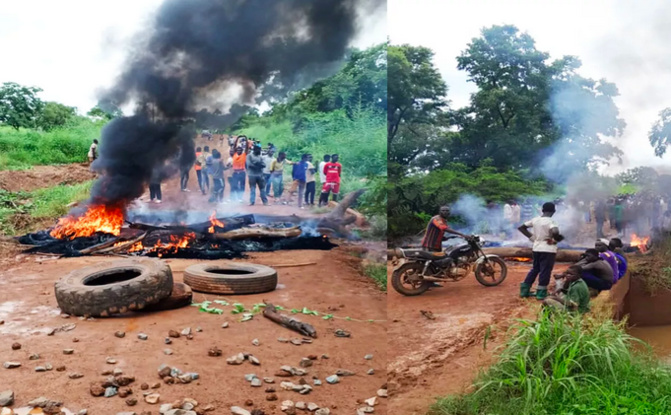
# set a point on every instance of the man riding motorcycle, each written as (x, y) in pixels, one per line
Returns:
(435, 233)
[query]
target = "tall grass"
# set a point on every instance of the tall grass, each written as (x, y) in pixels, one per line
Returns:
(565, 365)
(378, 273)
(20, 211)
(27, 147)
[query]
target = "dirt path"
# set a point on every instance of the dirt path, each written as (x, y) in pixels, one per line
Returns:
(29, 309)
(435, 358)
(40, 177)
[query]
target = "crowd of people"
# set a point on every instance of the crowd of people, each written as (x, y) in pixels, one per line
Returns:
(248, 163)
(599, 268)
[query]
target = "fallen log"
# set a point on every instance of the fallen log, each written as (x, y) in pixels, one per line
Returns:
(99, 246)
(259, 232)
(121, 246)
(336, 219)
(270, 312)
(563, 255)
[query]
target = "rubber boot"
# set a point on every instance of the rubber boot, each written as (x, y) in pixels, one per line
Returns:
(541, 293)
(525, 290)
(335, 198)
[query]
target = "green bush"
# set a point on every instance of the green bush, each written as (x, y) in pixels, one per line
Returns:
(26, 147)
(562, 365)
(378, 272)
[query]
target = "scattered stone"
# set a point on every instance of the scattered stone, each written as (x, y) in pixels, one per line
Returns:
(208, 408)
(214, 351)
(249, 402)
(236, 360)
(117, 372)
(156, 385)
(382, 393)
(306, 340)
(236, 410)
(60, 368)
(256, 342)
(34, 356)
(342, 333)
(126, 413)
(249, 377)
(371, 371)
(368, 357)
(110, 361)
(343, 372)
(323, 411)
(75, 375)
(110, 391)
(296, 342)
(152, 398)
(6, 398)
(225, 325)
(254, 360)
(288, 407)
(186, 331)
(48, 366)
(68, 351)
(51, 332)
(83, 412)
(312, 407)
(40, 369)
(198, 329)
(173, 334)
(16, 346)
(167, 351)
(270, 390)
(165, 408)
(75, 340)
(11, 365)
(107, 372)
(189, 336)
(301, 405)
(96, 389)
(317, 382)
(325, 356)
(282, 340)
(256, 382)
(131, 401)
(124, 380)
(169, 380)
(371, 401)
(365, 410)
(333, 379)
(187, 406)
(312, 357)
(164, 371)
(269, 380)
(123, 392)
(144, 386)
(167, 340)
(142, 336)
(120, 334)
(305, 362)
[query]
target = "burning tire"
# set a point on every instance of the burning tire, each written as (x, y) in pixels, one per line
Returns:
(111, 288)
(230, 278)
(181, 296)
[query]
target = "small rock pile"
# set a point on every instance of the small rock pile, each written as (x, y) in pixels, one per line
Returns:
(172, 375)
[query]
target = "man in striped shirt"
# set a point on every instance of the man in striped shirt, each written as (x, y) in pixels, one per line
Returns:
(435, 231)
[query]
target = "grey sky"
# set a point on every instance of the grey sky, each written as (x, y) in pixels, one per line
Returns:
(623, 41)
(73, 48)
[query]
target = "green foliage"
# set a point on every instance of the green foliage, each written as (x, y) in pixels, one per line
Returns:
(19, 105)
(55, 115)
(107, 114)
(378, 272)
(660, 133)
(47, 203)
(561, 364)
(414, 199)
(21, 149)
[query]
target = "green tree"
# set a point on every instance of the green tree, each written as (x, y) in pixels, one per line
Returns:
(416, 102)
(660, 134)
(19, 105)
(105, 110)
(525, 104)
(55, 115)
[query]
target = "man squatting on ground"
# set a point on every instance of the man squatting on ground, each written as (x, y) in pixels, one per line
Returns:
(544, 236)
(573, 296)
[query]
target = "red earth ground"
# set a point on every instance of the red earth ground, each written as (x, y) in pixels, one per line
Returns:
(44, 176)
(28, 308)
(429, 359)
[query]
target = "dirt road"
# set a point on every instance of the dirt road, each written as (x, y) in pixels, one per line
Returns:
(29, 310)
(433, 358)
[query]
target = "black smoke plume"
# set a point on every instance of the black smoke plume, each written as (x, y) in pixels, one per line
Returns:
(248, 49)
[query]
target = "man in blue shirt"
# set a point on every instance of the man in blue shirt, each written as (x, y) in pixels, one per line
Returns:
(299, 174)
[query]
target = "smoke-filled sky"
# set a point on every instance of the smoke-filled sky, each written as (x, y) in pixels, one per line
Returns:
(625, 42)
(72, 49)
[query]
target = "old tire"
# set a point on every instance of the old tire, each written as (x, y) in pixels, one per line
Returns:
(181, 296)
(230, 278)
(117, 287)
(487, 275)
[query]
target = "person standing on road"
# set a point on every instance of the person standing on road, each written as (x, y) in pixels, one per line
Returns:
(239, 174)
(333, 172)
(155, 185)
(545, 237)
(185, 169)
(600, 217)
(255, 166)
(300, 176)
(276, 175)
(216, 171)
(198, 166)
(268, 160)
(322, 175)
(206, 161)
(310, 185)
(93, 151)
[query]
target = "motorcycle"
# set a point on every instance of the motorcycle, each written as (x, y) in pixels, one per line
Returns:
(416, 269)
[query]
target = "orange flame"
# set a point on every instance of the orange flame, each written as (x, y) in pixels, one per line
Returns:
(518, 259)
(98, 218)
(640, 242)
(215, 222)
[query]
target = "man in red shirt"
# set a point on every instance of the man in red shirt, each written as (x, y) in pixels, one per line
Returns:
(333, 172)
(435, 231)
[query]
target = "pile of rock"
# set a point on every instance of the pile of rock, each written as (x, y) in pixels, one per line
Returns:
(172, 375)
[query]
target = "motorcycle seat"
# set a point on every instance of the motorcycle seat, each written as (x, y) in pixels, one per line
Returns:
(421, 253)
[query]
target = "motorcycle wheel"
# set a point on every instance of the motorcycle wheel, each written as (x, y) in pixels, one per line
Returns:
(492, 272)
(400, 283)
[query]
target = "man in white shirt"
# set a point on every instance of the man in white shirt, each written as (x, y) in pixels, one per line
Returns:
(544, 235)
(322, 175)
(508, 219)
(310, 186)
(268, 160)
(93, 151)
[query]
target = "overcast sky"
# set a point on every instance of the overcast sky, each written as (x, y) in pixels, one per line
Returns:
(73, 48)
(626, 42)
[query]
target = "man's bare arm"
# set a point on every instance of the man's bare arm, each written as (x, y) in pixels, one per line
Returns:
(524, 229)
